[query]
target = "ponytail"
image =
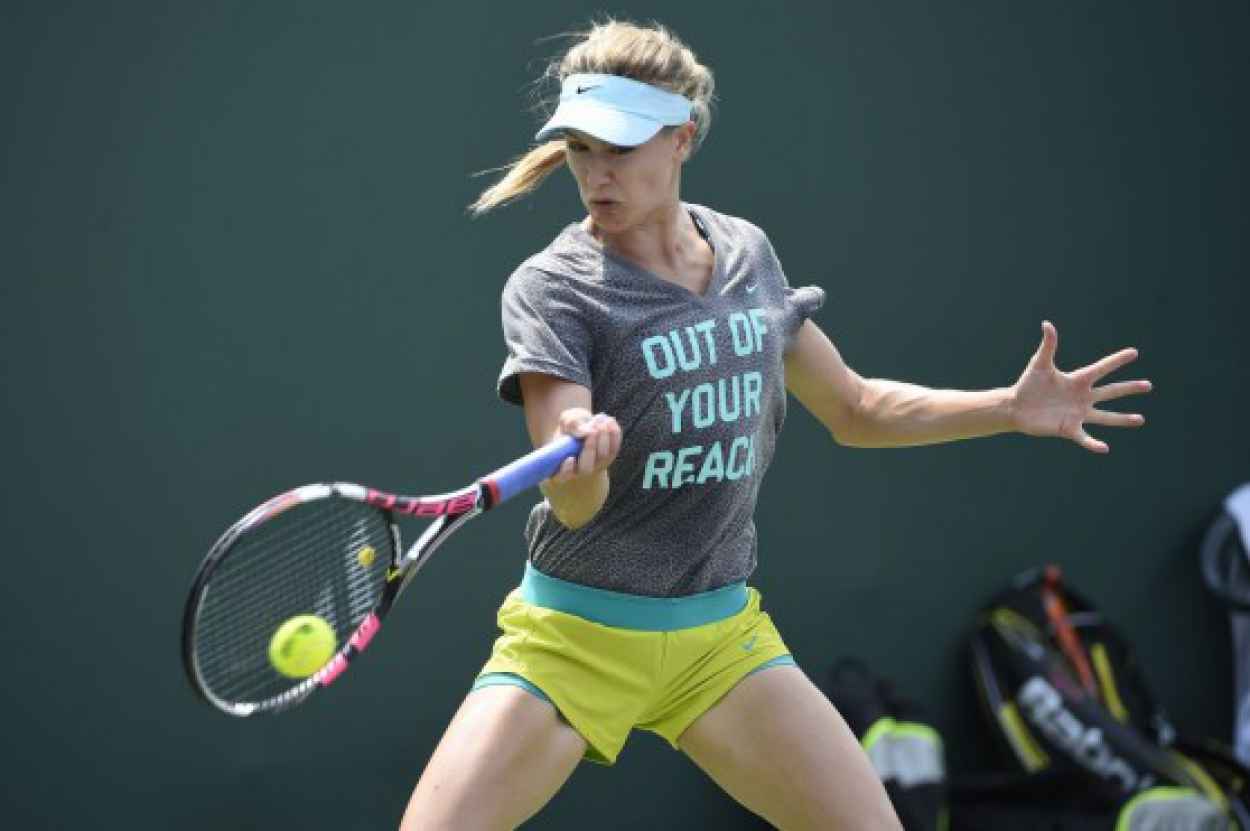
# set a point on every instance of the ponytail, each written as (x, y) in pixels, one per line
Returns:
(524, 175)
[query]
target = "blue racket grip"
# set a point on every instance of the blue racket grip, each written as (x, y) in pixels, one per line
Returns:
(529, 470)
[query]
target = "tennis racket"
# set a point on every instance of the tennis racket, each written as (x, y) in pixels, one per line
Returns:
(332, 551)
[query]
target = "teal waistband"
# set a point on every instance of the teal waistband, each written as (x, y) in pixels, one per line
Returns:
(632, 611)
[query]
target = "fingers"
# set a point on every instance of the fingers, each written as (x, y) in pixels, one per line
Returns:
(1108, 364)
(609, 441)
(601, 437)
(1049, 346)
(1109, 419)
(604, 438)
(573, 421)
(1120, 389)
(568, 469)
(590, 451)
(1105, 419)
(1090, 443)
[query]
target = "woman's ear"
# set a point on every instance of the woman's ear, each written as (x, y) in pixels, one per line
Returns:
(685, 140)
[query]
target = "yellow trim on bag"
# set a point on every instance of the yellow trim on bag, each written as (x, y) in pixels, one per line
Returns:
(879, 728)
(918, 731)
(911, 729)
(1106, 682)
(1163, 793)
(1210, 789)
(1011, 619)
(1021, 739)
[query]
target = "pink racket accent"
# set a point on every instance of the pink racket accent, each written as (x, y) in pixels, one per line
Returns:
(423, 506)
(334, 670)
(275, 506)
(364, 633)
(380, 499)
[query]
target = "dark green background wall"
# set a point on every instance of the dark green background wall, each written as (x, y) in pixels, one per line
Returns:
(235, 259)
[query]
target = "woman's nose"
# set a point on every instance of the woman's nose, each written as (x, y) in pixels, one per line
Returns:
(598, 171)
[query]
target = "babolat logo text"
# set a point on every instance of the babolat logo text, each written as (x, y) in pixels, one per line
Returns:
(1044, 707)
(423, 506)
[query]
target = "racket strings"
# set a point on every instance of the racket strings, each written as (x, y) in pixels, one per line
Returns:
(240, 581)
(254, 606)
(262, 568)
(328, 558)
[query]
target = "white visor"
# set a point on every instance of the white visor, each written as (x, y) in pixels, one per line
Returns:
(617, 110)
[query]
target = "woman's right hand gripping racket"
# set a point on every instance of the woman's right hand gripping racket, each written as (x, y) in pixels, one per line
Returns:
(295, 590)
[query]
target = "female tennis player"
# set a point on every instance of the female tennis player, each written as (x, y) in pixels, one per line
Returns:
(676, 325)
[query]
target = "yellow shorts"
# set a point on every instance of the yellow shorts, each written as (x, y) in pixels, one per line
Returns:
(610, 662)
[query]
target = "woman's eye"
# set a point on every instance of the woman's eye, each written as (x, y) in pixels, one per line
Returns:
(579, 147)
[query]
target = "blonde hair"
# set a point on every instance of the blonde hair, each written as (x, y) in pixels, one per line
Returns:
(651, 54)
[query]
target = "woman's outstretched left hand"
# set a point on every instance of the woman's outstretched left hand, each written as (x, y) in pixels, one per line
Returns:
(1048, 402)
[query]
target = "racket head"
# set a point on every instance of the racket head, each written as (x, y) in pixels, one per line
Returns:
(321, 550)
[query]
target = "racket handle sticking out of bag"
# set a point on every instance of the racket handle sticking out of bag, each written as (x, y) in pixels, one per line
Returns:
(290, 594)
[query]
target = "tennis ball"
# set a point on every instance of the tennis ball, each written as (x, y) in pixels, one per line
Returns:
(366, 556)
(301, 646)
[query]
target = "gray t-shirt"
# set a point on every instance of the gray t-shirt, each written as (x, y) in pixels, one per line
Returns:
(696, 383)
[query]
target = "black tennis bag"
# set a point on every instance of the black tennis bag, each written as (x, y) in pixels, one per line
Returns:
(901, 743)
(1064, 695)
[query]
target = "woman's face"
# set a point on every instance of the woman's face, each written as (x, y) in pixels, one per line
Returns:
(623, 186)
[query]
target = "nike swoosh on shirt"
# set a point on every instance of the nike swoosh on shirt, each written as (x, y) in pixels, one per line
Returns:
(752, 287)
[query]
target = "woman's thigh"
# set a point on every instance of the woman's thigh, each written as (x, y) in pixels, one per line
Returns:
(777, 745)
(502, 758)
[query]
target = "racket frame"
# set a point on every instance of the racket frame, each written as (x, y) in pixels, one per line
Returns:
(450, 511)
